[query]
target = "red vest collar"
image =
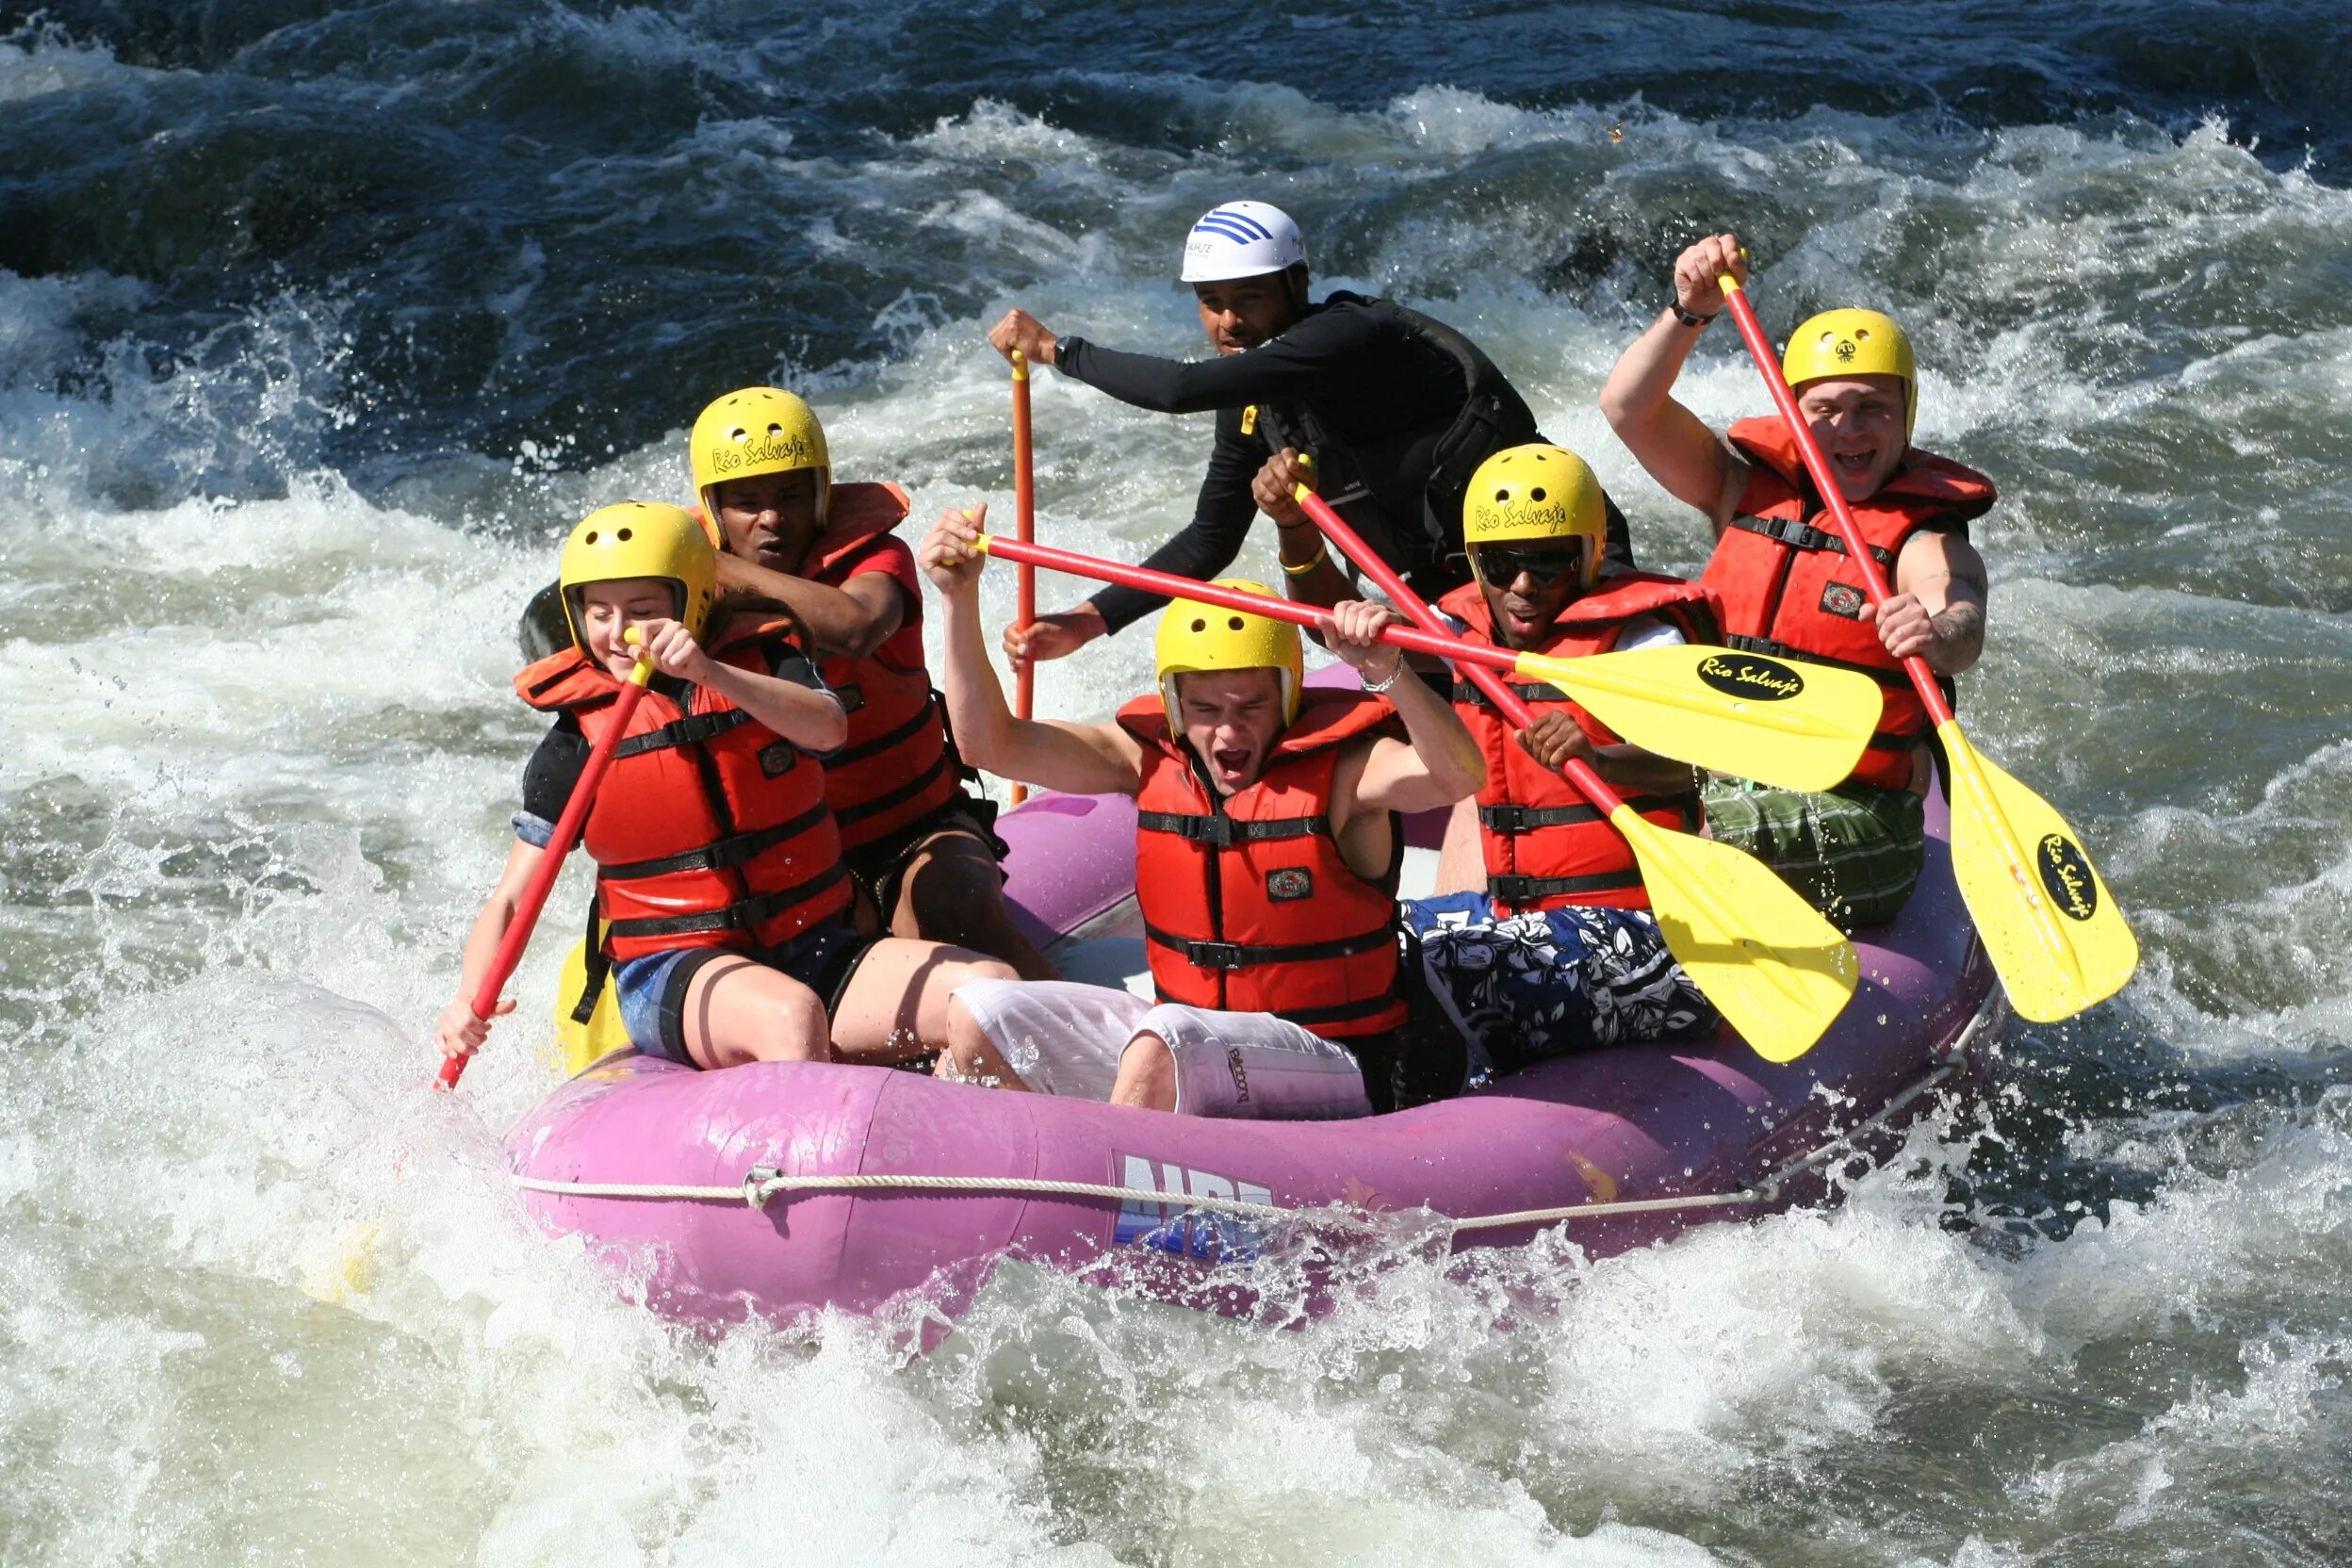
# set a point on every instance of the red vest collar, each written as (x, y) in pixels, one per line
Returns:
(1326, 718)
(1923, 475)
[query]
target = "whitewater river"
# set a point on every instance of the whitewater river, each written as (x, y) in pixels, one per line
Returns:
(317, 330)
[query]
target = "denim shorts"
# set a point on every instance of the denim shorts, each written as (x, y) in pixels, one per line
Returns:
(652, 987)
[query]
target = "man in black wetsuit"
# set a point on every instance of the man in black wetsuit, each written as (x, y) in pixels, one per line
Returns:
(1396, 409)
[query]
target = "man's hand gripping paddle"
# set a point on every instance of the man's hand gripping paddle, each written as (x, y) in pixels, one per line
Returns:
(535, 897)
(1756, 717)
(1713, 903)
(1024, 525)
(2054, 935)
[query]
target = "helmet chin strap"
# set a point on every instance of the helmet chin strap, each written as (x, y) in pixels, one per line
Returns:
(1295, 278)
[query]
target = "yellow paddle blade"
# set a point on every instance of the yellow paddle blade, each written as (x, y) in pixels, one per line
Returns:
(1792, 725)
(2055, 937)
(1775, 970)
(582, 1045)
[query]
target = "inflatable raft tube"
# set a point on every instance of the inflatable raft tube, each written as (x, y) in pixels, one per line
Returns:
(871, 1184)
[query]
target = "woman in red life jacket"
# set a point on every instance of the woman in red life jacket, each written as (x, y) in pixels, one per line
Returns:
(1540, 940)
(921, 850)
(1786, 585)
(719, 884)
(1267, 849)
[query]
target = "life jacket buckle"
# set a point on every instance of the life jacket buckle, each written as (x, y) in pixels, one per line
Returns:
(1212, 955)
(1216, 830)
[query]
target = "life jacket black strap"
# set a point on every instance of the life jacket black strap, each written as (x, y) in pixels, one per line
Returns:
(1773, 648)
(1511, 889)
(692, 730)
(599, 966)
(1533, 690)
(1247, 955)
(735, 850)
(1219, 831)
(883, 743)
(1799, 534)
(876, 805)
(1508, 819)
(746, 916)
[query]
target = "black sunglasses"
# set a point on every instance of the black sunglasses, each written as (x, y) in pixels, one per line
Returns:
(1501, 565)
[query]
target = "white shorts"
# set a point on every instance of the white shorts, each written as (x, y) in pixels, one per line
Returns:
(1067, 1039)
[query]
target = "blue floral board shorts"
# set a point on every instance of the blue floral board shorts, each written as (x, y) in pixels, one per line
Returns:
(1527, 987)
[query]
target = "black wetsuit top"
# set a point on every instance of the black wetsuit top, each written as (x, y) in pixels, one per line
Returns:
(1373, 385)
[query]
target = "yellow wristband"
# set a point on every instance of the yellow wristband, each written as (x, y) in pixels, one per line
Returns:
(1322, 554)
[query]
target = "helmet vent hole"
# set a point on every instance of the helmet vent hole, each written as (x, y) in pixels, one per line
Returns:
(1200, 625)
(622, 536)
(1536, 493)
(1234, 622)
(774, 430)
(1501, 497)
(739, 435)
(591, 538)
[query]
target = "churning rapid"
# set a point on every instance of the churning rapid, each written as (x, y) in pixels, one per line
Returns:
(317, 331)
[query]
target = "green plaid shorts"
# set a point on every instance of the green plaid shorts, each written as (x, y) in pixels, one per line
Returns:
(1855, 852)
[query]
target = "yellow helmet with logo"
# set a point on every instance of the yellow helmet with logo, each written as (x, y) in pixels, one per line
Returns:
(634, 539)
(758, 430)
(1535, 492)
(1855, 343)
(1195, 637)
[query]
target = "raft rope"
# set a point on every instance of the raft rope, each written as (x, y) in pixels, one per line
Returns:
(762, 1183)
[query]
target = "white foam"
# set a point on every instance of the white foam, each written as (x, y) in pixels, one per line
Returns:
(240, 1226)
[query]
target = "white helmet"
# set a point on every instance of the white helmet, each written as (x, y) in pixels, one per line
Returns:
(1242, 239)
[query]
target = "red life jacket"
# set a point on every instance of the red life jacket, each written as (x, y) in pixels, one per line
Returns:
(897, 766)
(708, 830)
(1248, 903)
(1788, 592)
(1545, 845)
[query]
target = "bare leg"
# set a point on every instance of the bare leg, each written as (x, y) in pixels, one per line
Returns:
(897, 1003)
(1147, 1074)
(739, 1011)
(953, 892)
(1461, 864)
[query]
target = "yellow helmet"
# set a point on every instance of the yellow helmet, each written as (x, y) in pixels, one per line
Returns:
(1196, 637)
(1855, 343)
(1535, 492)
(758, 430)
(632, 539)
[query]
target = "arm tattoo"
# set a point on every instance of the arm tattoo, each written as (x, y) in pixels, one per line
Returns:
(1959, 632)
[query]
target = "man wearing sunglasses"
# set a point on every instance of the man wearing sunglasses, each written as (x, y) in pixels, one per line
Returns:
(1549, 944)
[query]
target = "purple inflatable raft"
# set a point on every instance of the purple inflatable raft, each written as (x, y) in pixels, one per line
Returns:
(782, 1188)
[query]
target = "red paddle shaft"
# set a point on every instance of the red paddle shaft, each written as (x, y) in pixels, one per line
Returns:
(1024, 529)
(542, 876)
(1497, 691)
(1151, 582)
(1873, 580)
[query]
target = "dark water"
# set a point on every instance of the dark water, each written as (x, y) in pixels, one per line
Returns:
(538, 219)
(317, 327)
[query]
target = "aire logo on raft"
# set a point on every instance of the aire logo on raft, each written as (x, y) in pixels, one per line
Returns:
(1169, 1226)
